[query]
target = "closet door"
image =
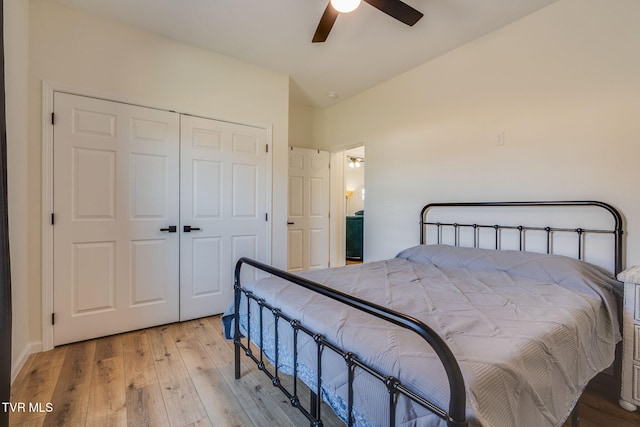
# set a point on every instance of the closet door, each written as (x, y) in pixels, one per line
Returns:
(223, 210)
(116, 196)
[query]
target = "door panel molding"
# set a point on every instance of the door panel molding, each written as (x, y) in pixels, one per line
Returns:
(145, 130)
(114, 269)
(308, 209)
(223, 196)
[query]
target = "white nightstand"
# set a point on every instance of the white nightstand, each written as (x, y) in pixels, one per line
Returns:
(630, 396)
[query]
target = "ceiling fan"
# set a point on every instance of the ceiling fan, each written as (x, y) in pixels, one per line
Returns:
(394, 8)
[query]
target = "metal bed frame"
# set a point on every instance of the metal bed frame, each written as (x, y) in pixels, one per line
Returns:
(454, 416)
(616, 230)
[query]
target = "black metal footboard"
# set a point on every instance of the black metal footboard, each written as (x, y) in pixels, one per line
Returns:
(454, 416)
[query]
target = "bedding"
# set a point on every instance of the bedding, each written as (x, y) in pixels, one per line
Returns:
(528, 330)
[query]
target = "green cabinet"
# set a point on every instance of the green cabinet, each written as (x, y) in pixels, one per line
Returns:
(354, 236)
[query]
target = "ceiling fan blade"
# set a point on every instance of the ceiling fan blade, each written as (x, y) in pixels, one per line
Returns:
(397, 9)
(326, 23)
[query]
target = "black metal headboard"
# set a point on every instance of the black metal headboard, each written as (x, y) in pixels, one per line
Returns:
(616, 230)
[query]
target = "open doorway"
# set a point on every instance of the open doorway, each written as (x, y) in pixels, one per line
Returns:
(347, 206)
(354, 191)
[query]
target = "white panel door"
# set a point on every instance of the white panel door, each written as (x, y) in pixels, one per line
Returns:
(223, 210)
(308, 217)
(116, 172)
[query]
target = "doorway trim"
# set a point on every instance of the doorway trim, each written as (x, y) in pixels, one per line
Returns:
(48, 89)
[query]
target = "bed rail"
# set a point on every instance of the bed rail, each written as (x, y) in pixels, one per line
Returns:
(454, 416)
(616, 230)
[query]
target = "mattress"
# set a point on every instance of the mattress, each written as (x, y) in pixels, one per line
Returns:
(528, 330)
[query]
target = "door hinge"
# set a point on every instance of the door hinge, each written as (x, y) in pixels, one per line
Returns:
(53, 218)
(53, 318)
(266, 147)
(266, 217)
(53, 118)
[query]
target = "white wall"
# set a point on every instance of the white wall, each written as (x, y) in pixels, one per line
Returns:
(81, 50)
(16, 61)
(300, 124)
(562, 84)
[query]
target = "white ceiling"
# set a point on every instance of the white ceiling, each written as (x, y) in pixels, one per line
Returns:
(365, 47)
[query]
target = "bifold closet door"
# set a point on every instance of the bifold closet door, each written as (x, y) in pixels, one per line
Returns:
(116, 213)
(223, 210)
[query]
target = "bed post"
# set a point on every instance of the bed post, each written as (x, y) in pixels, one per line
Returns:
(236, 319)
(575, 419)
(313, 404)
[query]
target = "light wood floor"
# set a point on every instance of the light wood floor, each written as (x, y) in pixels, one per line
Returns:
(175, 375)
(180, 375)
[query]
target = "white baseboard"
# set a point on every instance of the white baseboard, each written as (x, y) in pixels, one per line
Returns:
(18, 364)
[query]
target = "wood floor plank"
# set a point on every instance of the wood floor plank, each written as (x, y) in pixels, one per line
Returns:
(595, 411)
(208, 381)
(107, 395)
(178, 392)
(139, 369)
(108, 347)
(249, 389)
(71, 395)
(32, 422)
(202, 423)
(144, 403)
(145, 406)
(37, 382)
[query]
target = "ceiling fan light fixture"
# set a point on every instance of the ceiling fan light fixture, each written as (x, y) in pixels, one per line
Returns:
(397, 9)
(345, 6)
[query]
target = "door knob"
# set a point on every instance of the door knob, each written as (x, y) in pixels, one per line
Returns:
(290, 223)
(171, 229)
(189, 229)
